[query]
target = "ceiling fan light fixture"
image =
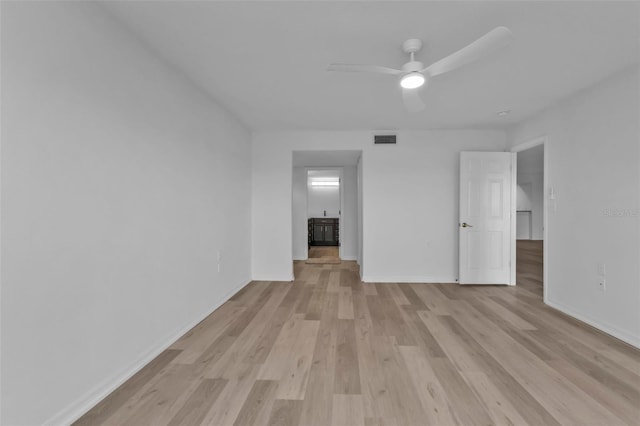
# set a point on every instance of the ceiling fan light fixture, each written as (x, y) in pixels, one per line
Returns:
(413, 80)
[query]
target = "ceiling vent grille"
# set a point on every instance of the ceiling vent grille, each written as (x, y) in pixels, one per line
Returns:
(384, 139)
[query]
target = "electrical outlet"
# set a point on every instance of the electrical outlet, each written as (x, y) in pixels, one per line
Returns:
(602, 269)
(602, 284)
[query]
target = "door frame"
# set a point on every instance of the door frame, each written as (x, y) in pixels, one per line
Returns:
(340, 170)
(531, 143)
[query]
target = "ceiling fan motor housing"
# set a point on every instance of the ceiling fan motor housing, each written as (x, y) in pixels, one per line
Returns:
(412, 45)
(413, 66)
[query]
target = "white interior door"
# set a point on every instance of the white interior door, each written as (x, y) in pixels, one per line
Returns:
(485, 217)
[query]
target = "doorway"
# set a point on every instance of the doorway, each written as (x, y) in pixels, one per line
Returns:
(531, 216)
(324, 211)
(348, 213)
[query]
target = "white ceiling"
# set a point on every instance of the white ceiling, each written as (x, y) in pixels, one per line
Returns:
(265, 61)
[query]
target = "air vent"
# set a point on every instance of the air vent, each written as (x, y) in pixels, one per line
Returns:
(384, 139)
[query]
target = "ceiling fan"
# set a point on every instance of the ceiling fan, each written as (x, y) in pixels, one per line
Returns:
(415, 75)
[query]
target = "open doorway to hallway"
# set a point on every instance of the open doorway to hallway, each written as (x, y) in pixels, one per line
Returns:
(326, 206)
(324, 214)
(530, 219)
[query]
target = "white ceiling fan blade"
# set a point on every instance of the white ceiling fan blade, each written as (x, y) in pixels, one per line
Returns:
(412, 100)
(494, 39)
(363, 68)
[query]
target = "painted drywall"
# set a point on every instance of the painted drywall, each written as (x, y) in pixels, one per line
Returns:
(120, 183)
(532, 200)
(594, 170)
(349, 218)
(523, 196)
(409, 205)
(299, 213)
(323, 201)
(523, 225)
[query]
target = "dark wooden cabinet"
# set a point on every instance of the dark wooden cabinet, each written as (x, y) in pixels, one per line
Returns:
(324, 231)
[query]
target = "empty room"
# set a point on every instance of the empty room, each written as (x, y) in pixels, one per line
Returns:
(319, 213)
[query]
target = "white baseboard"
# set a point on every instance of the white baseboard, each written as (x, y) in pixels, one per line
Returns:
(407, 279)
(606, 328)
(273, 277)
(349, 258)
(78, 408)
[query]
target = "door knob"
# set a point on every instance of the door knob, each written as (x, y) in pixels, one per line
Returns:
(466, 225)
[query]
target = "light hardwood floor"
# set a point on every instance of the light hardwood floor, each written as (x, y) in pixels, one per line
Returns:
(529, 266)
(323, 251)
(330, 350)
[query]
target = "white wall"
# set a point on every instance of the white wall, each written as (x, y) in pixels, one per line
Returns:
(299, 213)
(349, 218)
(120, 182)
(523, 196)
(410, 200)
(533, 201)
(531, 178)
(594, 168)
(323, 199)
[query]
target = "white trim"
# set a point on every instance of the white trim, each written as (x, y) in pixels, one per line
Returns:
(604, 327)
(514, 193)
(274, 277)
(544, 141)
(346, 258)
(78, 408)
(350, 258)
(484, 283)
(360, 214)
(340, 170)
(409, 279)
(340, 215)
(529, 144)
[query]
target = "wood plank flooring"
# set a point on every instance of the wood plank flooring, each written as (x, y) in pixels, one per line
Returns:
(327, 349)
(529, 265)
(323, 251)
